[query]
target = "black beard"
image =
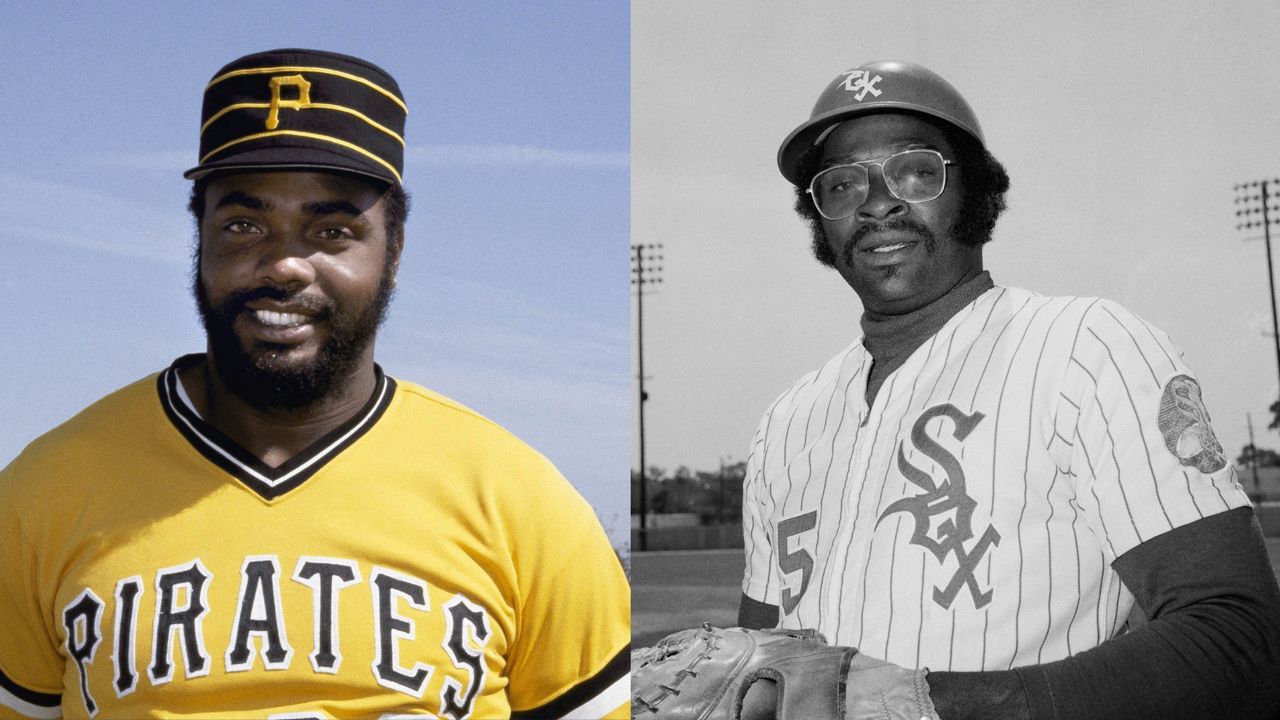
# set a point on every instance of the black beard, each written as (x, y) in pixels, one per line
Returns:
(261, 379)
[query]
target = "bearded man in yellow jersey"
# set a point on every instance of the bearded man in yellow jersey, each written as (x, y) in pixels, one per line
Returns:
(274, 527)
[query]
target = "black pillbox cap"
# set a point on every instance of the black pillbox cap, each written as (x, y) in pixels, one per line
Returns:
(302, 109)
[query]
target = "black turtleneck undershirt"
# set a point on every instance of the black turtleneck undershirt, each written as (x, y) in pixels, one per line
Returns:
(892, 338)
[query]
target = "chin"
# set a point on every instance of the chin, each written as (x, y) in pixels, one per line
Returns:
(275, 383)
(283, 358)
(888, 283)
(893, 295)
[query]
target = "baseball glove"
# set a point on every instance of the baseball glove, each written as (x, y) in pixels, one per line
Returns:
(704, 674)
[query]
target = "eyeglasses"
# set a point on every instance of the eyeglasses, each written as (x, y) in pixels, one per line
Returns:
(914, 176)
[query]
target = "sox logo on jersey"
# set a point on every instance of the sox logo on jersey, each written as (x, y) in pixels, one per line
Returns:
(946, 499)
(968, 518)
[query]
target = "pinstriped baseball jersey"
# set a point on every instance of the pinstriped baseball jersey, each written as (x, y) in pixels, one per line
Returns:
(968, 519)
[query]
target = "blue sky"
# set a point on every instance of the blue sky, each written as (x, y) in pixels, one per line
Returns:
(512, 295)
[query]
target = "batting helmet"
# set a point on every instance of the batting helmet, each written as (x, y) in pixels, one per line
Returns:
(881, 85)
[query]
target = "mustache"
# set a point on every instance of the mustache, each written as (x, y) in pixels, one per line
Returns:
(896, 225)
(234, 303)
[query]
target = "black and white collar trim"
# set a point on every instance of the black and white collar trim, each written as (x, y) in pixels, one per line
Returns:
(263, 479)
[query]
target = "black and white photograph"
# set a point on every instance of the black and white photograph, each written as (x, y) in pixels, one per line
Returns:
(956, 352)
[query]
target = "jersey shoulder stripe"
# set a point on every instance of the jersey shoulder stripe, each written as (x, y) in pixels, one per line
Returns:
(593, 697)
(29, 702)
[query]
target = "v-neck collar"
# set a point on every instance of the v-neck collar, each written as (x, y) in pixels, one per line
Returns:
(266, 481)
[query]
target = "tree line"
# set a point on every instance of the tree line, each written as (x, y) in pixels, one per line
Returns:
(715, 496)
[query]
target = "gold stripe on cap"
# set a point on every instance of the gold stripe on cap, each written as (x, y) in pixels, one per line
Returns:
(322, 106)
(313, 136)
(304, 68)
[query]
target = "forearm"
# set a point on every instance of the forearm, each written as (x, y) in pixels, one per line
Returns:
(1147, 673)
(755, 614)
(994, 695)
(1212, 648)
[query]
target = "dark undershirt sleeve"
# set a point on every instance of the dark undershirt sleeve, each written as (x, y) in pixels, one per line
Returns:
(1211, 648)
(756, 615)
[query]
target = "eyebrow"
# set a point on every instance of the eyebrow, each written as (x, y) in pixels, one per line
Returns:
(236, 197)
(911, 145)
(332, 207)
(322, 207)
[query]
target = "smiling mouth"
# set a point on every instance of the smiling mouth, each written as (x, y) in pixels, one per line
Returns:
(278, 328)
(891, 247)
(272, 318)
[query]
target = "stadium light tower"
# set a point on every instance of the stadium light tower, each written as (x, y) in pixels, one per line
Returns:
(643, 272)
(1256, 207)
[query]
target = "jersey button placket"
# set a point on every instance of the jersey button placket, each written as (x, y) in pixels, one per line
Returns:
(856, 406)
(863, 513)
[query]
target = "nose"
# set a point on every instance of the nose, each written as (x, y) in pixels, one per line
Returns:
(880, 204)
(285, 263)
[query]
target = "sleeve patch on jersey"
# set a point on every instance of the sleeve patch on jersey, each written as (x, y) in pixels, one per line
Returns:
(1184, 423)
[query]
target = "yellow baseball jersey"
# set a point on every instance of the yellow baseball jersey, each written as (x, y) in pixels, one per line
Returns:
(417, 561)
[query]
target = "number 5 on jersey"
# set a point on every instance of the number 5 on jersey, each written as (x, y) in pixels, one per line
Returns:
(791, 560)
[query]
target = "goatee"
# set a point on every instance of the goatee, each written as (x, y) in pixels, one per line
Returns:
(262, 375)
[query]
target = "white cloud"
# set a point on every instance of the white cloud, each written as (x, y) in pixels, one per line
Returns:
(139, 251)
(174, 161)
(515, 155)
(36, 211)
(448, 155)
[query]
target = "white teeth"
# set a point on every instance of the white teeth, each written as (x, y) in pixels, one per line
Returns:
(269, 317)
(888, 248)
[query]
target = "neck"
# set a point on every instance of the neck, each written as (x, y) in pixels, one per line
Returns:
(914, 305)
(274, 435)
(891, 339)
